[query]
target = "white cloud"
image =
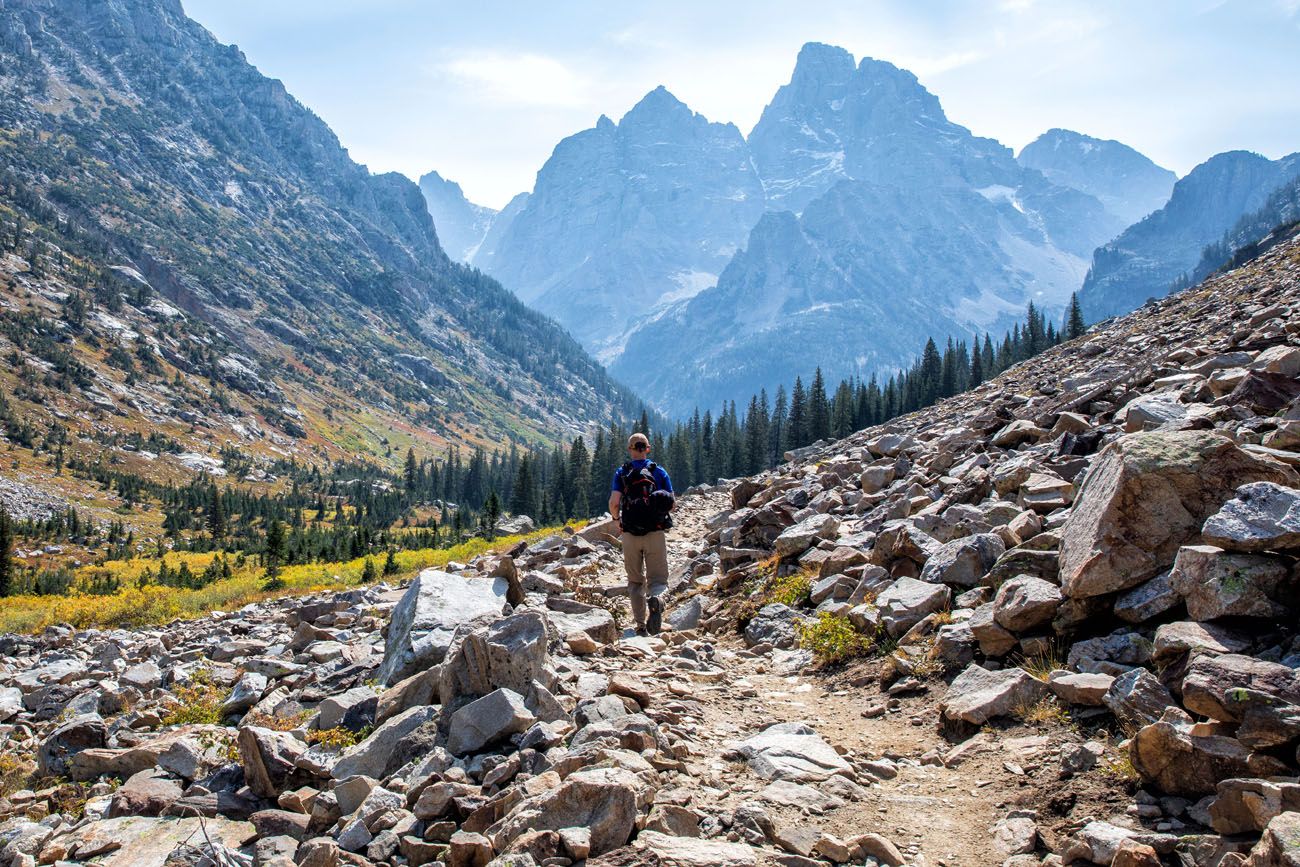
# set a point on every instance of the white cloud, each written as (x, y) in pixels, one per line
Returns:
(519, 79)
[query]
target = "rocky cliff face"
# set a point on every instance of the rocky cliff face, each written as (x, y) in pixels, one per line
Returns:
(1129, 184)
(1146, 260)
(461, 225)
(908, 227)
(1052, 620)
(176, 161)
(626, 218)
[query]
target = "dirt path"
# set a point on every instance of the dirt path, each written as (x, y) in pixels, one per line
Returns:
(935, 814)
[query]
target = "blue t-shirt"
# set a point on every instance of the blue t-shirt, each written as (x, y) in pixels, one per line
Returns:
(662, 482)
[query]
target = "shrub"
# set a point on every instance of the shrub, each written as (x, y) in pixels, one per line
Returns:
(1042, 712)
(200, 701)
(832, 638)
(794, 590)
(337, 738)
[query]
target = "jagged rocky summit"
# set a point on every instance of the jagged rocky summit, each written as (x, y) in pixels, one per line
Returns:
(1122, 508)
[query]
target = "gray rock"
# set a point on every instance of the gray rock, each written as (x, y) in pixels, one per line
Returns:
(1147, 600)
(1177, 762)
(1137, 698)
(269, 759)
(427, 615)
(1245, 806)
(1217, 584)
(77, 734)
(905, 602)
(1279, 846)
(1175, 639)
(487, 720)
(247, 692)
(509, 654)
(1083, 689)
(1025, 603)
(792, 752)
(336, 709)
(774, 625)
(978, 695)
(602, 800)
(1210, 677)
(372, 756)
(1145, 495)
(1152, 411)
(963, 562)
(1262, 517)
(793, 541)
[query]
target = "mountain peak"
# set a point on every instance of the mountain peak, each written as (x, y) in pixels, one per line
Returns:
(818, 61)
(656, 105)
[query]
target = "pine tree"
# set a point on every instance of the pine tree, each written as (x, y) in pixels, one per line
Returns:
(274, 554)
(579, 494)
(976, 368)
(1074, 324)
(779, 435)
(491, 514)
(368, 573)
(797, 423)
(6, 553)
(819, 409)
(390, 564)
(412, 472)
(216, 516)
(930, 374)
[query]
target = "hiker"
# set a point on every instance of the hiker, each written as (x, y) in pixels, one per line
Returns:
(640, 500)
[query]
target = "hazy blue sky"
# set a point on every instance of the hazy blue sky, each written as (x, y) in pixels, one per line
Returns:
(482, 91)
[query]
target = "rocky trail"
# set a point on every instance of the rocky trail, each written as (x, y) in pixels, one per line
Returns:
(1050, 621)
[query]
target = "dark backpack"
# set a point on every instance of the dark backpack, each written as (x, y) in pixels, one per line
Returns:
(641, 511)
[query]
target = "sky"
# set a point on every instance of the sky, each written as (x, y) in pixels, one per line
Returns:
(483, 91)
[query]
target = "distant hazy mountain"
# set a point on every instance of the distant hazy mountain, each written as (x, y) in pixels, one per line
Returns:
(627, 217)
(1147, 259)
(908, 226)
(484, 255)
(460, 224)
(1129, 184)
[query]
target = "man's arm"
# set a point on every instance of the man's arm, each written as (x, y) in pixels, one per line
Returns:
(615, 498)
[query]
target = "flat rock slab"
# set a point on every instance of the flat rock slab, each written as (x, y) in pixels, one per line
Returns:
(793, 752)
(694, 852)
(978, 695)
(140, 841)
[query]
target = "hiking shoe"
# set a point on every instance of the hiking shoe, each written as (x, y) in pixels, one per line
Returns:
(641, 632)
(654, 622)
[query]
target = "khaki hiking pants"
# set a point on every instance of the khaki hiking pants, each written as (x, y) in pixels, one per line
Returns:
(646, 560)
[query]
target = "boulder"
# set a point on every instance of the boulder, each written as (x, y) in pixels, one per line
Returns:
(353, 708)
(994, 641)
(1246, 806)
(1209, 677)
(1280, 844)
(774, 625)
(1217, 584)
(978, 695)
(147, 793)
(1152, 411)
(1266, 720)
(792, 752)
(793, 541)
(487, 720)
(372, 756)
(963, 562)
(1145, 495)
(509, 654)
(1175, 639)
(247, 692)
(1017, 432)
(905, 602)
(1025, 603)
(1083, 689)
(1168, 756)
(605, 801)
(269, 759)
(1137, 698)
(1147, 600)
(77, 734)
(1262, 517)
(423, 621)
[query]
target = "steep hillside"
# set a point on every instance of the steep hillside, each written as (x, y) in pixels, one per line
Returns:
(1151, 256)
(1129, 184)
(192, 255)
(1051, 621)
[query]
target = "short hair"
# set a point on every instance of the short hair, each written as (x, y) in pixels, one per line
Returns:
(637, 438)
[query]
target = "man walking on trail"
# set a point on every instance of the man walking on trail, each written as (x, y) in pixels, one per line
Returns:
(641, 500)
